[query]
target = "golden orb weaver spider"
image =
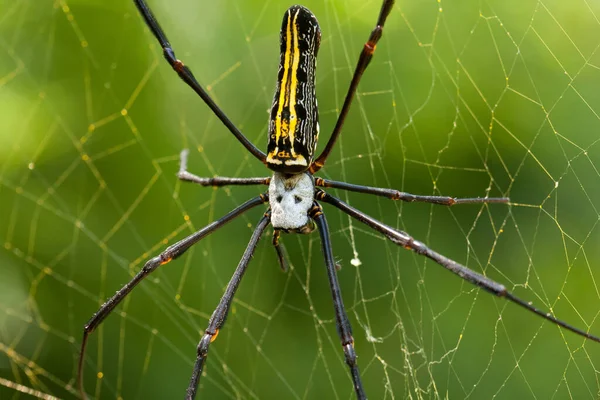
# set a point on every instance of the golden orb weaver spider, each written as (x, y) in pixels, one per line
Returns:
(293, 190)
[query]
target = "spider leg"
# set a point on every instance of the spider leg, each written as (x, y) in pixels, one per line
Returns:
(405, 240)
(186, 75)
(363, 61)
(216, 181)
(398, 195)
(170, 253)
(217, 320)
(280, 249)
(341, 319)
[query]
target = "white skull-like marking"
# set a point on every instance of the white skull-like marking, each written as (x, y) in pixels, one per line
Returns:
(290, 198)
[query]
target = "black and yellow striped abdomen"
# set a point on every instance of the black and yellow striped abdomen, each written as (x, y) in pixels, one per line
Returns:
(294, 119)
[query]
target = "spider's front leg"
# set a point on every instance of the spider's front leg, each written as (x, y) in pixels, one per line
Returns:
(341, 318)
(217, 320)
(408, 242)
(170, 253)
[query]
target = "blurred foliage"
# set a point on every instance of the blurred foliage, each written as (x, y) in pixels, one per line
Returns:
(463, 98)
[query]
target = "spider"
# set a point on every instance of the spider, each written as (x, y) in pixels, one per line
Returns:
(294, 192)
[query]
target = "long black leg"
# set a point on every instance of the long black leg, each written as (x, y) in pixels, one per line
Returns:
(363, 61)
(280, 249)
(217, 320)
(398, 195)
(186, 75)
(170, 253)
(341, 319)
(186, 176)
(405, 240)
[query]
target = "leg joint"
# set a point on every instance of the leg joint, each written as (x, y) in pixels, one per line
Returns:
(202, 349)
(375, 36)
(350, 354)
(315, 211)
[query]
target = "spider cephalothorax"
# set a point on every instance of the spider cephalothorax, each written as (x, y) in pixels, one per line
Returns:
(292, 196)
(290, 199)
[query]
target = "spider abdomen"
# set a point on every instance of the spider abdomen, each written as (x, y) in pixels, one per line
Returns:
(290, 198)
(294, 119)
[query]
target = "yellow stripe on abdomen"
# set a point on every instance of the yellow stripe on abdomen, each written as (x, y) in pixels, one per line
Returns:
(293, 125)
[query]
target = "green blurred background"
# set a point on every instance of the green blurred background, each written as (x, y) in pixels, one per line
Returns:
(463, 98)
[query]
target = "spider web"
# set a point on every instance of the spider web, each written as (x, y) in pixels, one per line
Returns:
(466, 99)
